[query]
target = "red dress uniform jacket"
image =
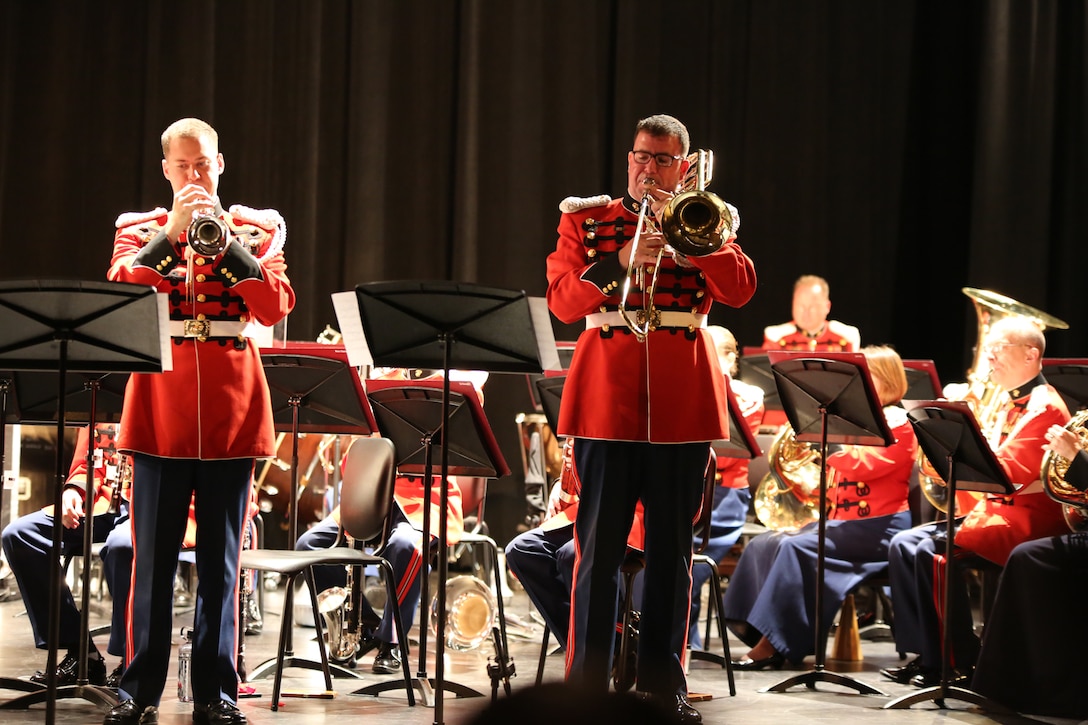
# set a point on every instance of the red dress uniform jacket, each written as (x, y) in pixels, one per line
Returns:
(107, 466)
(871, 481)
(214, 404)
(835, 337)
(409, 494)
(998, 523)
(668, 389)
(733, 472)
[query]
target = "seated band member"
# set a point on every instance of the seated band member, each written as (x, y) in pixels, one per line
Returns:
(404, 552)
(1014, 349)
(28, 544)
(1031, 658)
(810, 329)
(770, 602)
(731, 496)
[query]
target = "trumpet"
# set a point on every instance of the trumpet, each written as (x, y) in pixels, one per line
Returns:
(208, 235)
(694, 224)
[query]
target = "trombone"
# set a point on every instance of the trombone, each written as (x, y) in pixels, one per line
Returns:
(694, 224)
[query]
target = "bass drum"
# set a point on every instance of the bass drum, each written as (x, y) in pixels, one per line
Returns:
(316, 460)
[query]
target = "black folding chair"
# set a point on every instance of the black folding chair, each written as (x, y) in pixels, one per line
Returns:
(366, 503)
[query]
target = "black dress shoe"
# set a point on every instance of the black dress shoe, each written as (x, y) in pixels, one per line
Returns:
(932, 678)
(775, 662)
(114, 680)
(68, 671)
(387, 661)
(904, 674)
(684, 712)
(674, 707)
(218, 713)
(131, 713)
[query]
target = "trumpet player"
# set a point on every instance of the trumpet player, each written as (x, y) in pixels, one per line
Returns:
(198, 428)
(1027, 661)
(1014, 348)
(642, 401)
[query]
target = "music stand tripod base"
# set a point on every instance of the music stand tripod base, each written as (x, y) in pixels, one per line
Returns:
(425, 686)
(938, 693)
(809, 680)
(104, 697)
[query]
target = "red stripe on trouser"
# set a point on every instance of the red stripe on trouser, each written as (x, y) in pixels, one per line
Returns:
(410, 574)
(571, 639)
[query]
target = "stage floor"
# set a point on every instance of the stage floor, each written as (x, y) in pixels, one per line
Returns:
(826, 704)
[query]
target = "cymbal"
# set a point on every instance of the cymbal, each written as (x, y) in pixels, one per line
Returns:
(1007, 305)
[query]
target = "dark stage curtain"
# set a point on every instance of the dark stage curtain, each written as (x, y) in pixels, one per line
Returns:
(901, 149)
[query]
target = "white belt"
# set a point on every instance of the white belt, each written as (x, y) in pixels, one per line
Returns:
(668, 319)
(207, 328)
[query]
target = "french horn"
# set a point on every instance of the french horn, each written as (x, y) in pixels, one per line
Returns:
(788, 497)
(985, 398)
(1052, 472)
(694, 223)
(470, 613)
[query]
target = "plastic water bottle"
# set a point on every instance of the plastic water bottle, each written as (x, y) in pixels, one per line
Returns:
(185, 661)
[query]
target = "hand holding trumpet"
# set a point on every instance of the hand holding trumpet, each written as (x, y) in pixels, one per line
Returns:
(189, 202)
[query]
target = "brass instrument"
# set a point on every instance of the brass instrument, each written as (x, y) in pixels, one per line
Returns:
(694, 223)
(208, 235)
(1052, 472)
(339, 639)
(788, 497)
(470, 614)
(985, 398)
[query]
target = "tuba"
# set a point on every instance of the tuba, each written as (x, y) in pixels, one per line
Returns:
(470, 613)
(985, 398)
(694, 223)
(1052, 472)
(788, 497)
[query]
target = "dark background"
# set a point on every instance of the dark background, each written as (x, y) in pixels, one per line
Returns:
(903, 150)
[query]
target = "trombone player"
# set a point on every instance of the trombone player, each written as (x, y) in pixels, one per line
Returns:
(644, 397)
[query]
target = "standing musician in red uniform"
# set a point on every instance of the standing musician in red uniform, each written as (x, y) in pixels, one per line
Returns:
(199, 427)
(810, 329)
(643, 411)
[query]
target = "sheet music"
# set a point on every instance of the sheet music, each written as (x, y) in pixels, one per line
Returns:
(165, 348)
(351, 329)
(545, 338)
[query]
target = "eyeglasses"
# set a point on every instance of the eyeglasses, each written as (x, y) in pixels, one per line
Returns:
(662, 160)
(996, 348)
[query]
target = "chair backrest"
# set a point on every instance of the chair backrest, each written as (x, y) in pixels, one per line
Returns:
(366, 496)
(702, 524)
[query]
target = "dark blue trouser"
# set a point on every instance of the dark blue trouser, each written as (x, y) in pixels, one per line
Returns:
(161, 492)
(615, 475)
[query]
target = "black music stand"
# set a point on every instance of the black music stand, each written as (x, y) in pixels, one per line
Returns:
(923, 382)
(950, 438)
(828, 398)
(411, 414)
(71, 326)
(754, 368)
(1069, 377)
(446, 325)
(314, 390)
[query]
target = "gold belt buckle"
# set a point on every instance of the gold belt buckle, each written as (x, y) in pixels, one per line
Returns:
(198, 328)
(654, 319)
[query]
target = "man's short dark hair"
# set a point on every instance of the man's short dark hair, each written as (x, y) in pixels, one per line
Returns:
(664, 125)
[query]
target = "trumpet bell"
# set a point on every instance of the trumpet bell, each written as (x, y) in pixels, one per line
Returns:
(693, 222)
(208, 235)
(470, 613)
